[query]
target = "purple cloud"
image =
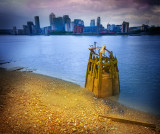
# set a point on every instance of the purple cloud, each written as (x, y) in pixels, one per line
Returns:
(135, 11)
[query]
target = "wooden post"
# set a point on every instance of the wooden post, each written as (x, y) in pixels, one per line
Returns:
(146, 124)
(93, 67)
(100, 73)
(93, 72)
(96, 69)
(88, 67)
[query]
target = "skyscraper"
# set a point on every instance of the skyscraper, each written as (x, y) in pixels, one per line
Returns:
(71, 26)
(98, 21)
(58, 24)
(108, 27)
(30, 27)
(92, 23)
(98, 24)
(67, 22)
(25, 29)
(66, 19)
(125, 27)
(37, 23)
(51, 18)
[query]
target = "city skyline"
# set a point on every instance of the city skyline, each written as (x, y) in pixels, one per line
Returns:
(113, 12)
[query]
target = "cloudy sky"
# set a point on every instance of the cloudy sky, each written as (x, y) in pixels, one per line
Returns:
(137, 12)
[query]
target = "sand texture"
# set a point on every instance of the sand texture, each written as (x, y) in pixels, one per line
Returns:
(36, 104)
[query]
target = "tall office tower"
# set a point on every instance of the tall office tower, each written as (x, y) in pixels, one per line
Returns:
(58, 24)
(98, 24)
(67, 22)
(125, 27)
(37, 23)
(25, 29)
(71, 26)
(108, 27)
(113, 27)
(66, 19)
(118, 28)
(51, 18)
(30, 27)
(92, 23)
(98, 21)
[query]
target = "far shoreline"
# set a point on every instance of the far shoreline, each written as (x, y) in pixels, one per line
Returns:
(88, 34)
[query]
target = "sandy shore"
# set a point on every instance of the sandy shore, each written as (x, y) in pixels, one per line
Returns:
(33, 103)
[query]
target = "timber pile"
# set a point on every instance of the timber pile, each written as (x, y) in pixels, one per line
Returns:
(102, 75)
(146, 124)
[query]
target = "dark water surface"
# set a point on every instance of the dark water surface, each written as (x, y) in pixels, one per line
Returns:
(66, 57)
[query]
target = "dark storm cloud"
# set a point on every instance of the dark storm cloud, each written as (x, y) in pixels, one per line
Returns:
(12, 13)
(135, 11)
(119, 4)
(9, 20)
(148, 2)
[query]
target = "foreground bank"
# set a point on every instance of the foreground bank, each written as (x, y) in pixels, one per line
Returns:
(33, 103)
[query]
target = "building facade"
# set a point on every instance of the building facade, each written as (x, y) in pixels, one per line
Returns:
(113, 28)
(90, 30)
(30, 27)
(71, 26)
(37, 22)
(58, 24)
(78, 22)
(144, 28)
(78, 26)
(118, 28)
(25, 29)
(46, 30)
(78, 29)
(98, 25)
(125, 27)
(51, 18)
(37, 29)
(92, 23)
(67, 22)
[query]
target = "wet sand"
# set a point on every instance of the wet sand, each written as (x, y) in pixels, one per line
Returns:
(33, 103)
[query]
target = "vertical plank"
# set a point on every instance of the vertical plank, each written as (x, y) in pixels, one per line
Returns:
(100, 74)
(88, 68)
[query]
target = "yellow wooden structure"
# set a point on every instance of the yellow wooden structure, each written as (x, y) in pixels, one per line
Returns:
(102, 75)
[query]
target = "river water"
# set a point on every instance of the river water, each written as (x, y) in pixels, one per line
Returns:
(66, 57)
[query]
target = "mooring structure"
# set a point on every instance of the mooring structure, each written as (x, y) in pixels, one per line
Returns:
(102, 75)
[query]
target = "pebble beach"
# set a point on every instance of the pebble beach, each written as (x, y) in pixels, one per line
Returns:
(36, 104)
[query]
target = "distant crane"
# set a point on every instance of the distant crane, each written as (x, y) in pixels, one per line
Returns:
(109, 20)
(108, 23)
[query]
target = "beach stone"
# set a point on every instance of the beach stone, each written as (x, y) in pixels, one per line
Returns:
(74, 129)
(77, 113)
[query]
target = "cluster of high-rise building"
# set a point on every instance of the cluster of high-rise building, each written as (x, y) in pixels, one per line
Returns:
(94, 27)
(59, 24)
(65, 25)
(29, 29)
